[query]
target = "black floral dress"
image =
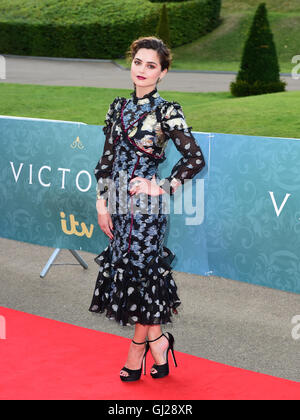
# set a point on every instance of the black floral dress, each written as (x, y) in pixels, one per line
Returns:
(135, 282)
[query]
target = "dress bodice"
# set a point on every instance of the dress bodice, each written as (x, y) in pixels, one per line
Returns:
(148, 123)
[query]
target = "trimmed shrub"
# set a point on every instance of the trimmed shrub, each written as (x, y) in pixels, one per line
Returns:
(259, 72)
(163, 31)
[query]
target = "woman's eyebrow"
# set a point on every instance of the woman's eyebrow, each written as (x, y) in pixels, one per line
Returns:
(147, 61)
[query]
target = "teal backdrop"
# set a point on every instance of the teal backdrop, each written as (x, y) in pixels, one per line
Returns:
(243, 221)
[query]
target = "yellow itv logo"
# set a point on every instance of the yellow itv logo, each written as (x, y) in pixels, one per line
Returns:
(73, 224)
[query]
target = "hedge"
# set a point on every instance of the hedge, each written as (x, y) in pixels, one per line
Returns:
(106, 32)
(167, 1)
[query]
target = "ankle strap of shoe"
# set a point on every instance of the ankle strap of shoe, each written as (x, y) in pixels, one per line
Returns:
(151, 341)
(138, 343)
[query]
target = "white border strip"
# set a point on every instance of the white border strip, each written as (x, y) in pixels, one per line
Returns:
(41, 119)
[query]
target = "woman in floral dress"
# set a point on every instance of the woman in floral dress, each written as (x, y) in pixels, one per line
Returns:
(135, 285)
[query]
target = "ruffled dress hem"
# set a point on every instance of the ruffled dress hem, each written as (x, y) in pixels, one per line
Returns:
(131, 295)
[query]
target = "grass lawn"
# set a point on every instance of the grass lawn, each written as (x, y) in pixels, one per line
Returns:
(271, 115)
(222, 48)
(219, 50)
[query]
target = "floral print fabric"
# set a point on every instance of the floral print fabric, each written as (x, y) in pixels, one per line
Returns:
(135, 282)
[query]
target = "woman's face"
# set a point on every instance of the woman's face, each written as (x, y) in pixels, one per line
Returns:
(146, 64)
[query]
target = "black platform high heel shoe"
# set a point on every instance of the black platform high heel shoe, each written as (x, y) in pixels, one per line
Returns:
(163, 370)
(135, 374)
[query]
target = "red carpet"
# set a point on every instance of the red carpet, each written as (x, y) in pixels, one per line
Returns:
(51, 360)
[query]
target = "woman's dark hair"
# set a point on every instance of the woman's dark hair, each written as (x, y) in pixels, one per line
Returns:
(152, 43)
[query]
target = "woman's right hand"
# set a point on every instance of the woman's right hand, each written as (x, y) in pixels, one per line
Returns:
(104, 218)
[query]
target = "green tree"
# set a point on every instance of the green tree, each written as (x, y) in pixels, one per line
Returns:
(259, 72)
(162, 30)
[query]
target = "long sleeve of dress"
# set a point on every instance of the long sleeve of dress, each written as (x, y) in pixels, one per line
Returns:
(104, 166)
(192, 161)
